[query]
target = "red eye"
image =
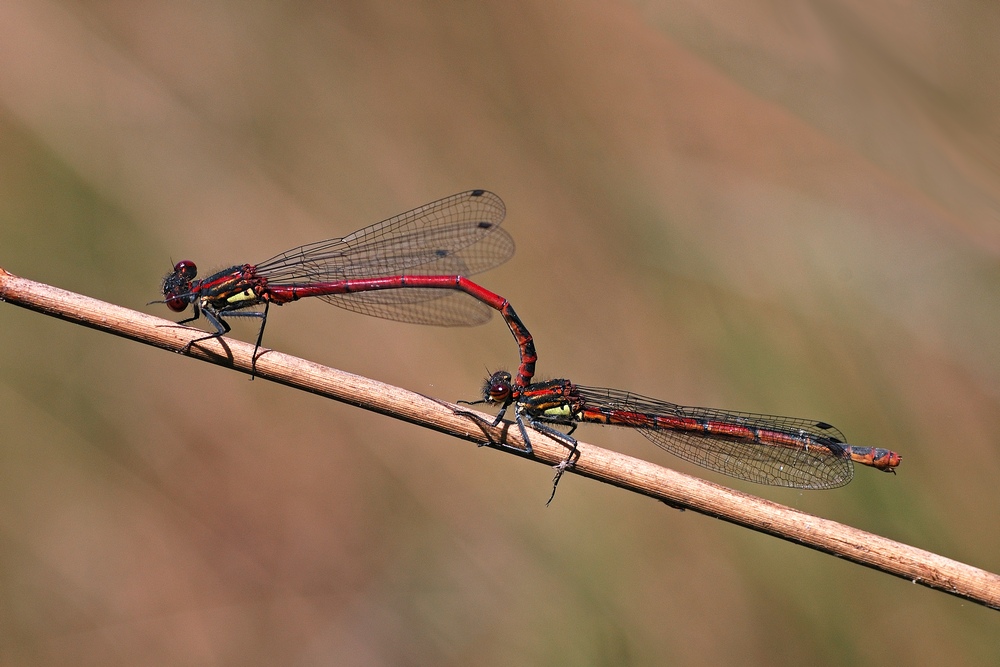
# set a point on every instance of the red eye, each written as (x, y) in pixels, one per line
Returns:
(186, 269)
(177, 304)
(177, 285)
(497, 389)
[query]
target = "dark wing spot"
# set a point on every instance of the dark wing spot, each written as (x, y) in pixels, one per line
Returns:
(823, 426)
(485, 225)
(441, 253)
(477, 193)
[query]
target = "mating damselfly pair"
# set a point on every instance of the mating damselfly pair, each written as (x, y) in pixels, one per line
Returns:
(413, 268)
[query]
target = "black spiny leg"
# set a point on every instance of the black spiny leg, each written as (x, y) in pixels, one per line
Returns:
(214, 318)
(492, 424)
(499, 418)
(566, 439)
(260, 337)
(194, 308)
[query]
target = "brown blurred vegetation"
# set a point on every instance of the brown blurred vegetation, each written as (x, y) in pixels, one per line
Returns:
(769, 206)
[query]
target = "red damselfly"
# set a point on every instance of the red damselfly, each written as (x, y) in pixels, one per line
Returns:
(409, 268)
(779, 451)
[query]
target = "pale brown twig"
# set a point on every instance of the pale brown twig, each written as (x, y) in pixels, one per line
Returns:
(675, 489)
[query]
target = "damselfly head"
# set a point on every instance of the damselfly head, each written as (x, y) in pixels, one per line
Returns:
(177, 285)
(497, 388)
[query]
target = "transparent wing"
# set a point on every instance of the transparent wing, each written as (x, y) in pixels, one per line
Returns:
(457, 235)
(767, 449)
(443, 308)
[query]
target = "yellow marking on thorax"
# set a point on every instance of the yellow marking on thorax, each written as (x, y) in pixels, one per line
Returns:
(245, 295)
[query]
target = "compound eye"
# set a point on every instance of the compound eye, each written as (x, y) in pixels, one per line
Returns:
(186, 269)
(177, 304)
(499, 391)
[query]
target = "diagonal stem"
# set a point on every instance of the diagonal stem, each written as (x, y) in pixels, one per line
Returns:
(673, 488)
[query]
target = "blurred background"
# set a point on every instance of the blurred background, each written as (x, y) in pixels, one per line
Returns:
(789, 208)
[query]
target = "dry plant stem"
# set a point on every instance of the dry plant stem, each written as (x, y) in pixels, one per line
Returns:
(675, 489)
